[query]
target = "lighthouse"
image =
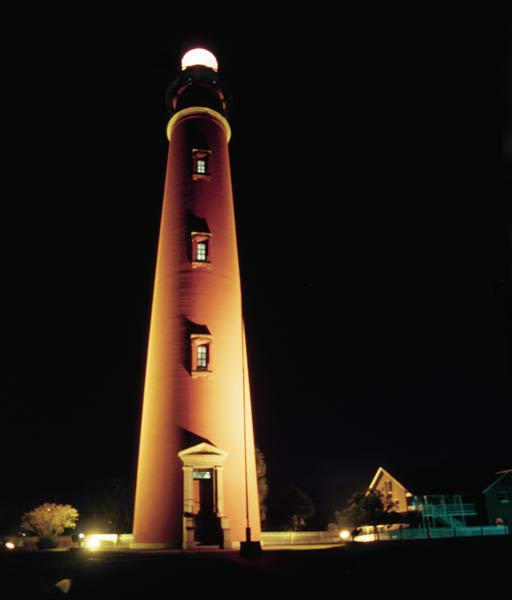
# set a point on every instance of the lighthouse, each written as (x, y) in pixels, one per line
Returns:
(196, 473)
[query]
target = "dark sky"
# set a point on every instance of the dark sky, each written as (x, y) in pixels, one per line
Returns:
(375, 268)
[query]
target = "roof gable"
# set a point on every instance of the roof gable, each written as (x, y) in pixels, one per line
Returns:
(383, 473)
(503, 477)
(467, 480)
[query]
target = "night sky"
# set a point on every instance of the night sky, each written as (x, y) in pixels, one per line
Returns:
(375, 268)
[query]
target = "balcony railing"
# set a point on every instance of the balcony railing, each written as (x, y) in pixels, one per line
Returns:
(452, 510)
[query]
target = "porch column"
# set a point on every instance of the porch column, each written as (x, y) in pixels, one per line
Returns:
(188, 490)
(188, 539)
(219, 490)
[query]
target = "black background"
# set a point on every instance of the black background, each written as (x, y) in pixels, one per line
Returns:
(374, 262)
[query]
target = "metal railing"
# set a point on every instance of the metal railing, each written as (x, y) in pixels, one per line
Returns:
(443, 532)
(453, 510)
(291, 538)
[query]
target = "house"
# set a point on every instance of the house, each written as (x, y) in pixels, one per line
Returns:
(448, 496)
(392, 489)
(498, 499)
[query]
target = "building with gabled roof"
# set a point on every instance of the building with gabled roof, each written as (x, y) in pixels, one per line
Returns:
(450, 495)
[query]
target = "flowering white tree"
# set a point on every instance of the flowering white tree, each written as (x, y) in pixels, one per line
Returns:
(49, 521)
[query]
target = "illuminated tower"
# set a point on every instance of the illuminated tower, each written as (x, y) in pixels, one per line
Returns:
(196, 477)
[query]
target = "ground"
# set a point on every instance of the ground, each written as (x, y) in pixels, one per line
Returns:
(436, 566)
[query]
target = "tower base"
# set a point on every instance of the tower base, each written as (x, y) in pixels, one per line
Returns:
(152, 546)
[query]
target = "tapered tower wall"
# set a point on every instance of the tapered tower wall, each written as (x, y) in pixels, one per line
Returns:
(180, 405)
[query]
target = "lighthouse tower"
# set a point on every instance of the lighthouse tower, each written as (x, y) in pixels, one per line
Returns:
(196, 476)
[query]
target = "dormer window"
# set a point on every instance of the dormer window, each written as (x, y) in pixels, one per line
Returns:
(200, 159)
(200, 251)
(200, 350)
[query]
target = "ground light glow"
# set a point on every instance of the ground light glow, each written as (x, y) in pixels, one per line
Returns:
(199, 56)
(100, 540)
(92, 542)
(366, 537)
(344, 534)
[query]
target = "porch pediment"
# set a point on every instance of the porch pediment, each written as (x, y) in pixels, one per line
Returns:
(202, 454)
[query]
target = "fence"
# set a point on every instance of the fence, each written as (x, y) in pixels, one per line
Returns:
(434, 532)
(290, 538)
(295, 538)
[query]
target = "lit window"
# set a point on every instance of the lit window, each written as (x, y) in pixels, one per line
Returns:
(504, 497)
(200, 164)
(200, 355)
(202, 474)
(200, 251)
(388, 486)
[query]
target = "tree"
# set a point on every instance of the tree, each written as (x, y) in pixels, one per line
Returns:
(261, 472)
(48, 521)
(366, 508)
(295, 507)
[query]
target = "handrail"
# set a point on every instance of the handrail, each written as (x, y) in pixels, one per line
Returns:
(448, 509)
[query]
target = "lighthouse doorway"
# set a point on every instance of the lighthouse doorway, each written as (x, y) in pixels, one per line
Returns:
(204, 521)
(203, 489)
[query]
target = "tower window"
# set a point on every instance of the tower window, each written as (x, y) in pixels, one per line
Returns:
(201, 355)
(200, 249)
(200, 159)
